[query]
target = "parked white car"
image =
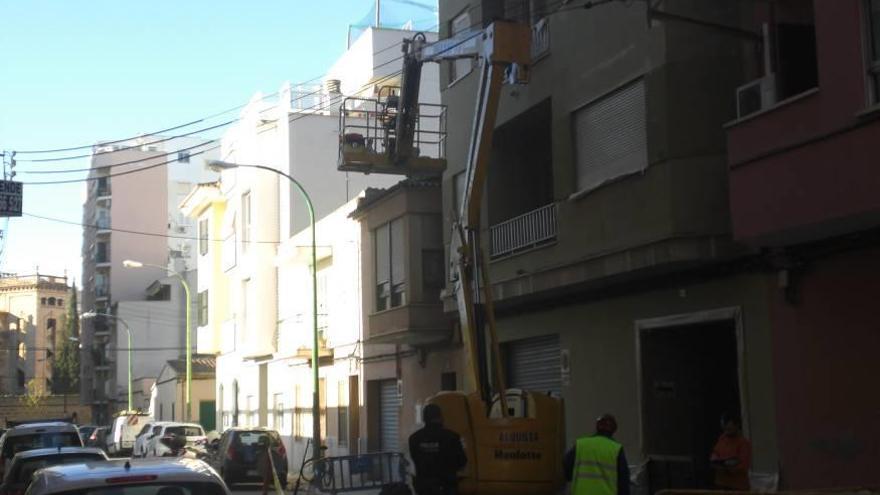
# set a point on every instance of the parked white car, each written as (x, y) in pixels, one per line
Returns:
(125, 426)
(194, 433)
(136, 477)
(142, 439)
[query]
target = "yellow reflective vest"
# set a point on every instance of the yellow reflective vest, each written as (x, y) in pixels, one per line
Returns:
(595, 466)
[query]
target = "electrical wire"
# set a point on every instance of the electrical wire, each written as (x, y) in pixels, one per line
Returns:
(121, 164)
(100, 153)
(127, 172)
(137, 232)
(181, 126)
(319, 107)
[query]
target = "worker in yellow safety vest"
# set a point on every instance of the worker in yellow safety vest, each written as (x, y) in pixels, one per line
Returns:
(596, 465)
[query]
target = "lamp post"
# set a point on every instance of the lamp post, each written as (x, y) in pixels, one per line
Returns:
(92, 314)
(188, 388)
(219, 165)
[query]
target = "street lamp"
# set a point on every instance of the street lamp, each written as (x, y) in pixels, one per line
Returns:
(218, 166)
(92, 314)
(188, 393)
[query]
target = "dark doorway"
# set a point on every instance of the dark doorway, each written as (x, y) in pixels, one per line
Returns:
(690, 378)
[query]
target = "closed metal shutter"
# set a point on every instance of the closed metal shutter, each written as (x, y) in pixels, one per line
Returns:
(535, 364)
(611, 137)
(389, 416)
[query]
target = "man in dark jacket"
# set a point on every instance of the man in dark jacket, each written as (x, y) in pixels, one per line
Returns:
(437, 454)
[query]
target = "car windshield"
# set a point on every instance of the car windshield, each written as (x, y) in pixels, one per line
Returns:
(23, 470)
(186, 431)
(248, 438)
(177, 488)
(21, 443)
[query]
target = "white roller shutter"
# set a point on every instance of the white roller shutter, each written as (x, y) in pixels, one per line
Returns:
(535, 364)
(611, 137)
(389, 416)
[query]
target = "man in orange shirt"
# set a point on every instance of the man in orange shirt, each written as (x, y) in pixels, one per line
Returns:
(732, 457)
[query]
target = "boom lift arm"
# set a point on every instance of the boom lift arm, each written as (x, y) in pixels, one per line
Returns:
(509, 452)
(503, 52)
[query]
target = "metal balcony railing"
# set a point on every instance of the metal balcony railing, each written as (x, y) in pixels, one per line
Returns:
(523, 232)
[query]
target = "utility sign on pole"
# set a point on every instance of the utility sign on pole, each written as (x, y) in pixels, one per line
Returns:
(10, 198)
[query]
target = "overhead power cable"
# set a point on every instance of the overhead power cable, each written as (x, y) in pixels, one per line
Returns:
(301, 114)
(138, 232)
(121, 164)
(100, 153)
(181, 126)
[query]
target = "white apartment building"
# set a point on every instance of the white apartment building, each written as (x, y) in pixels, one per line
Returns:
(254, 282)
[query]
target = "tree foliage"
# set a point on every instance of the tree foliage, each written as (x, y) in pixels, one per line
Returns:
(34, 394)
(66, 365)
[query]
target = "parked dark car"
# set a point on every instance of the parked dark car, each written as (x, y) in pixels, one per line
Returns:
(24, 464)
(235, 455)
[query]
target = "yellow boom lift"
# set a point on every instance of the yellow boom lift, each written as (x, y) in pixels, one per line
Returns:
(514, 441)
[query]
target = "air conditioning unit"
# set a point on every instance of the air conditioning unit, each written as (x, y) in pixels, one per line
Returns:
(755, 96)
(181, 229)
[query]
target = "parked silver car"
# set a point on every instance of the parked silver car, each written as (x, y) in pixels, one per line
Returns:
(135, 477)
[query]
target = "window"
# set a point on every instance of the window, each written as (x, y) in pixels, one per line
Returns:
(51, 301)
(611, 137)
(433, 273)
(59, 302)
(172, 411)
(342, 413)
(297, 412)
(183, 156)
(278, 415)
(100, 254)
(203, 236)
(43, 301)
(245, 300)
(203, 308)
(245, 221)
(51, 326)
(22, 350)
(103, 189)
(873, 17)
(448, 381)
(390, 282)
(461, 67)
(230, 246)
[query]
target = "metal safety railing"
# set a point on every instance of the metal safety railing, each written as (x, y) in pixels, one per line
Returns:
(371, 119)
(523, 232)
(354, 473)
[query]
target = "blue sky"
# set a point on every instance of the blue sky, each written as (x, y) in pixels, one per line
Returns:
(75, 72)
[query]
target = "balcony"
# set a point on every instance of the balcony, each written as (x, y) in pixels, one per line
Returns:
(413, 324)
(102, 222)
(527, 231)
(102, 291)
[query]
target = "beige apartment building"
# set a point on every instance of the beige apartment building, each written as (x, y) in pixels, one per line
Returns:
(153, 306)
(33, 309)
